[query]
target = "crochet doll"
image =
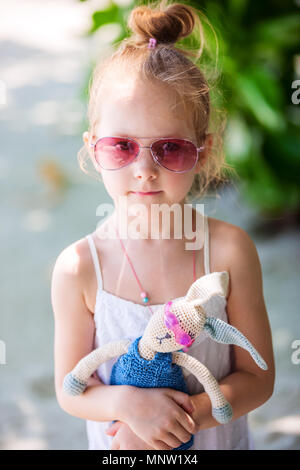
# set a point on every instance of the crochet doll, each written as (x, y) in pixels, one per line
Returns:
(156, 358)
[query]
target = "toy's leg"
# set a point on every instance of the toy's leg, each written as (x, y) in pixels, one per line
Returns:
(72, 385)
(224, 414)
(221, 409)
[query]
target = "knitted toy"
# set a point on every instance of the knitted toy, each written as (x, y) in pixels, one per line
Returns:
(155, 359)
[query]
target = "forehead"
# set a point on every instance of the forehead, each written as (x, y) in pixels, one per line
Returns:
(135, 108)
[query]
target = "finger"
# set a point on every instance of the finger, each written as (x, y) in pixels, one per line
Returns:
(183, 400)
(183, 417)
(115, 445)
(113, 428)
(181, 433)
(172, 441)
(188, 407)
(187, 422)
(160, 445)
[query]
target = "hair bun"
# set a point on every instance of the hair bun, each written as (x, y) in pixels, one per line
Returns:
(166, 23)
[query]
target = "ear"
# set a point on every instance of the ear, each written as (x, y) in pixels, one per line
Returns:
(222, 332)
(87, 139)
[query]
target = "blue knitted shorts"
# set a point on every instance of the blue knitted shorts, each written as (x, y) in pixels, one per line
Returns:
(132, 369)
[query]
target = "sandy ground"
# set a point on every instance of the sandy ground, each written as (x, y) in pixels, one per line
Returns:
(44, 61)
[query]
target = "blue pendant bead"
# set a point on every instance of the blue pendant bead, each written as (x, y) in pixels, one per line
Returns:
(145, 297)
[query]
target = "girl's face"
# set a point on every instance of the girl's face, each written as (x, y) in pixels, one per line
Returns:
(143, 112)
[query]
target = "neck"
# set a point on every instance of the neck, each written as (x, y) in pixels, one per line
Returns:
(178, 222)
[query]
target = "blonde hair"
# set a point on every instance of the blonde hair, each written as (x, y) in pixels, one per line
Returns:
(172, 67)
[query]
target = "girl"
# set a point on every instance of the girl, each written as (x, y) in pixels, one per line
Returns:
(149, 139)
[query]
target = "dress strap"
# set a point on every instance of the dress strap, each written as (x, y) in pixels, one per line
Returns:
(95, 260)
(206, 245)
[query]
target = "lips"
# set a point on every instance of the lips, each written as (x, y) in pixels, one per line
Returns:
(146, 193)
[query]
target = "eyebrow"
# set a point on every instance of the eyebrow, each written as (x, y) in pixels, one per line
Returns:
(150, 138)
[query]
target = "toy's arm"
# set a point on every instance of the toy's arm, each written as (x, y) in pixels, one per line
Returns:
(221, 409)
(76, 381)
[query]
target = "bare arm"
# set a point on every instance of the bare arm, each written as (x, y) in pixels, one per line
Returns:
(248, 386)
(74, 336)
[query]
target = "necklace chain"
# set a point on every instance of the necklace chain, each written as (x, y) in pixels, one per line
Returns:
(144, 295)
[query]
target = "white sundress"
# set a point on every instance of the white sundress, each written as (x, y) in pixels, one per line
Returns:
(117, 318)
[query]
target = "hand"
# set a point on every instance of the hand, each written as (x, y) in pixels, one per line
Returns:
(124, 438)
(159, 416)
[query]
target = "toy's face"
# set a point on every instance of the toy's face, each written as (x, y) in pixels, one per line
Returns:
(167, 336)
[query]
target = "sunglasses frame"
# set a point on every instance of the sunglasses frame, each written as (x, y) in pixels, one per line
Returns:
(198, 149)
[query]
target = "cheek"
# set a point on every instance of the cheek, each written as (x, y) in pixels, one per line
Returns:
(115, 183)
(180, 184)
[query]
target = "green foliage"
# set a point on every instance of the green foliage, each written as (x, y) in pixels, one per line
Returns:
(113, 13)
(254, 57)
(260, 42)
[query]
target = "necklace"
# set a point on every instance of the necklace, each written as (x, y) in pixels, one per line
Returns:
(144, 294)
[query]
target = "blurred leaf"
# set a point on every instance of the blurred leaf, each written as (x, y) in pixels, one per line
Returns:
(281, 32)
(253, 97)
(238, 140)
(112, 14)
(268, 83)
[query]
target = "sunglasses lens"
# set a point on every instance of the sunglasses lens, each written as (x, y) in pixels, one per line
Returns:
(175, 154)
(112, 153)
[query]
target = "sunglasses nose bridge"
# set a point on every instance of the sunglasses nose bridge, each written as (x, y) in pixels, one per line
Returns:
(146, 147)
(142, 167)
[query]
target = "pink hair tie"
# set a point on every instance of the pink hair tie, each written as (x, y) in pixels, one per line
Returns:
(152, 43)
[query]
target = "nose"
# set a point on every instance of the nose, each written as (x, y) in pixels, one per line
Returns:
(144, 166)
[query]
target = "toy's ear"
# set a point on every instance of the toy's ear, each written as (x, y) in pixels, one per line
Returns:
(207, 286)
(222, 332)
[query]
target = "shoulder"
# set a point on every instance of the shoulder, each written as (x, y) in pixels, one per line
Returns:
(73, 265)
(230, 239)
(73, 259)
(217, 227)
(232, 249)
